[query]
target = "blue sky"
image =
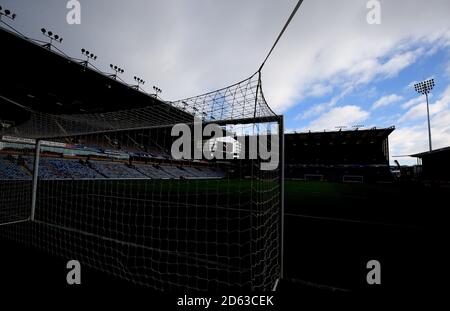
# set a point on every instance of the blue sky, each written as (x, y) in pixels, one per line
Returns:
(385, 100)
(389, 99)
(330, 69)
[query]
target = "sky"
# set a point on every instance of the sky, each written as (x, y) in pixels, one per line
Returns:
(331, 68)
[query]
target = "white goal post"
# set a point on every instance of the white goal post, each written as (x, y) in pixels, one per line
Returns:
(105, 190)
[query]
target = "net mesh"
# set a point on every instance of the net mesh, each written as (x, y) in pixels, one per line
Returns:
(110, 194)
(242, 101)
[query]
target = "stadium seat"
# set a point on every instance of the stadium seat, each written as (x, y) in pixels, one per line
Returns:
(9, 170)
(115, 170)
(52, 168)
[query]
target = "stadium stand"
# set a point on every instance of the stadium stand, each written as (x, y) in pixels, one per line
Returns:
(212, 172)
(168, 171)
(176, 172)
(115, 170)
(51, 168)
(194, 172)
(62, 168)
(204, 172)
(340, 156)
(9, 170)
(123, 223)
(152, 171)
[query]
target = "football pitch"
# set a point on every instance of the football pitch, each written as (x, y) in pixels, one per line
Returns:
(331, 229)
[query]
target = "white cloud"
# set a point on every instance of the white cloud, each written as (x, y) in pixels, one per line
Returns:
(190, 47)
(386, 101)
(413, 138)
(339, 116)
(320, 108)
(357, 54)
(316, 109)
(413, 102)
(399, 62)
(410, 86)
(319, 89)
(407, 140)
(420, 110)
(372, 68)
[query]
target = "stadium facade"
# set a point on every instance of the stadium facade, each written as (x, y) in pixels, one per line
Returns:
(342, 156)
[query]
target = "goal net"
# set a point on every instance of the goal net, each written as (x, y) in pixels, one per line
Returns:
(110, 190)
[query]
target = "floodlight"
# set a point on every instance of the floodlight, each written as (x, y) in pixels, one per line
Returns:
(139, 82)
(7, 13)
(117, 69)
(89, 55)
(157, 90)
(424, 88)
(52, 36)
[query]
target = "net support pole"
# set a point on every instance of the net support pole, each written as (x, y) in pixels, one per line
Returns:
(35, 179)
(281, 134)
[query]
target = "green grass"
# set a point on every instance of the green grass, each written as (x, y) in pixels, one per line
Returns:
(375, 202)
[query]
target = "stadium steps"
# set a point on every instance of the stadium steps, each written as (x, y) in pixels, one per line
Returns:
(153, 172)
(89, 164)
